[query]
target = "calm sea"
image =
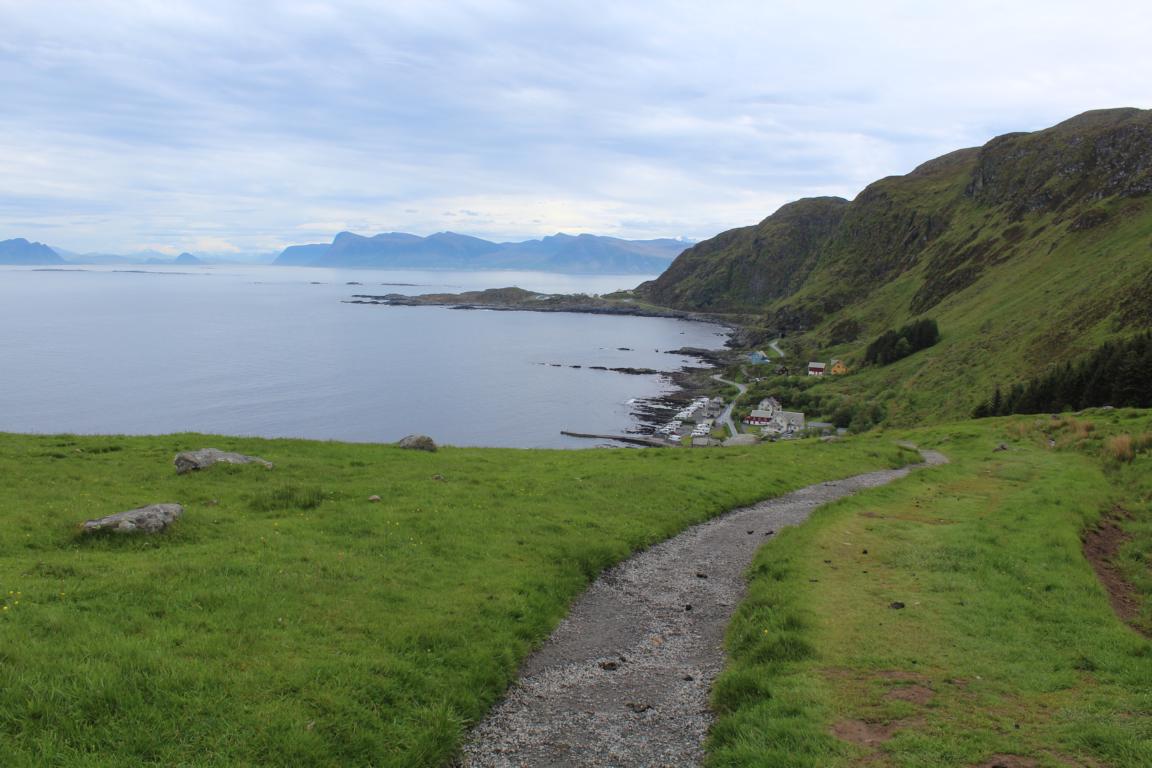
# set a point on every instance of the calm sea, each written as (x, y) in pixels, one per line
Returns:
(274, 352)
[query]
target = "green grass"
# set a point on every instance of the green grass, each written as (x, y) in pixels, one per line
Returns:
(1007, 642)
(286, 620)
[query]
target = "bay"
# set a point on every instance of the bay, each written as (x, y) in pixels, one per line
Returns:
(276, 352)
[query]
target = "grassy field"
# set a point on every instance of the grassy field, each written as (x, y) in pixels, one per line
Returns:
(952, 619)
(286, 620)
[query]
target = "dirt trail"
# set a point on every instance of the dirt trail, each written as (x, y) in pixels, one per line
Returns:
(624, 680)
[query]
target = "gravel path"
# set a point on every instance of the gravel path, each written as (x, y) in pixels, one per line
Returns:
(623, 682)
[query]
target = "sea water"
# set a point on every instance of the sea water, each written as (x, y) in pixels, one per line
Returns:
(279, 352)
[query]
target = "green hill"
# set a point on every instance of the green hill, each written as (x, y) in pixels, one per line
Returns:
(1028, 251)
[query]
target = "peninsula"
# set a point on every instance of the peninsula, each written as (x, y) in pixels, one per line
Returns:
(520, 300)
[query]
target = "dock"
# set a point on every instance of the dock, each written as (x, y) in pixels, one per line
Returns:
(647, 442)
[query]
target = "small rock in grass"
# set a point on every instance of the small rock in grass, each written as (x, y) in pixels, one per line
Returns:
(438, 477)
(638, 707)
(151, 519)
(1001, 447)
(374, 498)
(417, 443)
(897, 605)
(609, 666)
(192, 461)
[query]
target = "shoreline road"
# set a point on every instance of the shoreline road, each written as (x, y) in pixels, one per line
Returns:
(624, 680)
(726, 416)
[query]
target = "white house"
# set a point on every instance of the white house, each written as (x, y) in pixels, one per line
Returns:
(770, 404)
(817, 369)
(785, 423)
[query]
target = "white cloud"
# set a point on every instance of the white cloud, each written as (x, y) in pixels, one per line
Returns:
(249, 125)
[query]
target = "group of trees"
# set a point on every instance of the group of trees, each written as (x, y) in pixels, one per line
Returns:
(894, 345)
(1116, 374)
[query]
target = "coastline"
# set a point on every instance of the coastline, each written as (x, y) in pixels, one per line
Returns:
(687, 382)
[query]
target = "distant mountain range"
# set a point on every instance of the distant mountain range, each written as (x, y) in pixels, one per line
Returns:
(579, 254)
(449, 250)
(20, 251)
(186, 259)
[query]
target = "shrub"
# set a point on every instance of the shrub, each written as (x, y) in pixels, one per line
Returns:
(1119, 448)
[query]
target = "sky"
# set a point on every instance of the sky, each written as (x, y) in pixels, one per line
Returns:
(240, 127)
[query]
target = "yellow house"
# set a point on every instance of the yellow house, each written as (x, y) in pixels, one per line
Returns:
(838, 368)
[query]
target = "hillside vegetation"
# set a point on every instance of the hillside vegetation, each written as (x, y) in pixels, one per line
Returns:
(1029, 251)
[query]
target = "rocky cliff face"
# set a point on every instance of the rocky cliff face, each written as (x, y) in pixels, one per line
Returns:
(1088, 158)
(745, 268)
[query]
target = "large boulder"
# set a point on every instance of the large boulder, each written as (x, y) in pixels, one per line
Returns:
(190, 461)
(417, 443)
(151, 519)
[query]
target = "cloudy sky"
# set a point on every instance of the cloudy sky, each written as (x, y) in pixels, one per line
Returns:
(241, 126)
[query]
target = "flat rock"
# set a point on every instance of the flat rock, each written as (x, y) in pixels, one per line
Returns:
(151, 519)
(191, 461)
(417, 443)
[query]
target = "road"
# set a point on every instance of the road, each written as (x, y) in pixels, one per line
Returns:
(775, 345)
(726, 417)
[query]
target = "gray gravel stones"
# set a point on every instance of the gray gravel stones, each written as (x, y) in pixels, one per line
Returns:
(624, 679)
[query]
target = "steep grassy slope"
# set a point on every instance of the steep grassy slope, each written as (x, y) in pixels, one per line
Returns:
(1028, 251)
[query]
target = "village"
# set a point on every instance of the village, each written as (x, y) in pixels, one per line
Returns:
(706, 422)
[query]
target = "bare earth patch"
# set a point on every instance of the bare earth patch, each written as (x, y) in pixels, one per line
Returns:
(866, 734)
(1101, 545)
(1007, 761)
(916, 694)
(624, 680)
